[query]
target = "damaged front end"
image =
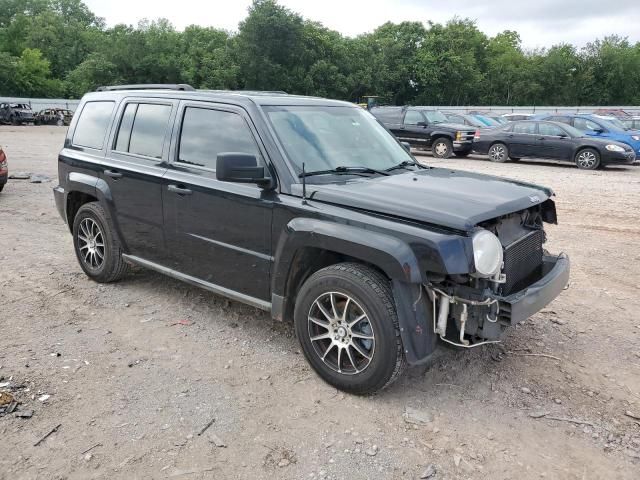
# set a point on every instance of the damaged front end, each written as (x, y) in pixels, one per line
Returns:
(514, 278)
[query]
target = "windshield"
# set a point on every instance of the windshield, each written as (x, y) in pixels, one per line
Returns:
(490, 122)
(616, 122)
(434, 116)
(325, 138)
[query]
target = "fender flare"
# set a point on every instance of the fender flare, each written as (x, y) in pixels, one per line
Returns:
(441, 133)
(390, 254)
(98, 188)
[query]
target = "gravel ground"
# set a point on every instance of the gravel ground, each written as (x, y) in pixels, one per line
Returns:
(132, 388)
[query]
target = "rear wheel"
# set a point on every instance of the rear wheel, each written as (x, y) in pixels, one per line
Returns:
(499, 152)
(347, 326)
(442, 148)
(588, 159)
(97, 247)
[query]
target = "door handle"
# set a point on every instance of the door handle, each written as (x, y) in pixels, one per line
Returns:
(541, 138)
(113, 173)
(179, 190)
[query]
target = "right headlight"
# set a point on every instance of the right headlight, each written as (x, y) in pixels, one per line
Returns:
(487, 253)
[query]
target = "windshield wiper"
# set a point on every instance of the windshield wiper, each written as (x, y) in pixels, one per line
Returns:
(404, 164)
(344, 171)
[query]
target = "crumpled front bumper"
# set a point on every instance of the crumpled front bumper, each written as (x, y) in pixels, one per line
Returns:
(521, 305)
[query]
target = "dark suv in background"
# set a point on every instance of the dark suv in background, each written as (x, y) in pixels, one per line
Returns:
(311, 210)
(423, 128)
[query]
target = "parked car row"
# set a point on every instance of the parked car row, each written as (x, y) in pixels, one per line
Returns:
(589, 140)
(21, 113)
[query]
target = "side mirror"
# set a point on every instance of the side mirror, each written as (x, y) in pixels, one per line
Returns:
(406, 146)
(240, 168)
(598, 130)
(422, 124)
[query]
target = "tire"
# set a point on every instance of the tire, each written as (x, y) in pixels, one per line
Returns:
(442, 148)
(2, 186)
(363, 356)
(97, 248)
(60, 123)
(514, 159)
(14, 121)
(587, 159)
(462, 154)
(498, 152)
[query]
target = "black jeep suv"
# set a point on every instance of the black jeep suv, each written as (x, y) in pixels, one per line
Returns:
(310, 209)
(424, 129)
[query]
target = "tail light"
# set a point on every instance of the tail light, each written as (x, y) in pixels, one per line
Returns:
(476, 136)
(3, 158)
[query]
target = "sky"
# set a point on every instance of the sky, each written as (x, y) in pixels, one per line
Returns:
(541, 23)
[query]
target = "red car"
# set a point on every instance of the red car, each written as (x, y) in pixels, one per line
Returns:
(4, 169)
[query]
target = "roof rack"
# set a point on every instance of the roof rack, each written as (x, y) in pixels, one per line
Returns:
(147, 86)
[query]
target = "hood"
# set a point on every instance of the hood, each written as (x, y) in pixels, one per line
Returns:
(448, 198)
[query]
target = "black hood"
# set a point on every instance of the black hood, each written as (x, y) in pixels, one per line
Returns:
(438, 196)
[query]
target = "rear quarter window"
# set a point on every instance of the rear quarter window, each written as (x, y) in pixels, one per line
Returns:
(92, 125)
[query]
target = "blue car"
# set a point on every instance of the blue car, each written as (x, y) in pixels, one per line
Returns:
(598, 127)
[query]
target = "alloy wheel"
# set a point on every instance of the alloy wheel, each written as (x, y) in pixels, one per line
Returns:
(587, 159)
(497, 153)
(91, 243)
(341, 334)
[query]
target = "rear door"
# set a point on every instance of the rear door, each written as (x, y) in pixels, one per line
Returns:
(218, 232)
(554, 142)
(523, 139)
(135, 163)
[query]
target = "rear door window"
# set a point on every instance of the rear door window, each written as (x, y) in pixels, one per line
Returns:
(143, 129)
(525, 127)
(206, 133)
(550, 129)
(93, 123)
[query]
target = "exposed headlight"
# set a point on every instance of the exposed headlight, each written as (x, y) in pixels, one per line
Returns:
(636, 137)
(614, 148)
(487, 253)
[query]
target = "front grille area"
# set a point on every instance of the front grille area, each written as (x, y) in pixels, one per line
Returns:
(523, 262)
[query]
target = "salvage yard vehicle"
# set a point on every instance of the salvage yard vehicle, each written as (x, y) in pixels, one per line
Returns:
(16, 113)
(310, 209)
(53, 116)
(596, 126)
(553, 140)
(4, 169)
(425, 129)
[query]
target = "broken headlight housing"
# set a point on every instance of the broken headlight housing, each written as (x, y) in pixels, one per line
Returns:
(487, 253)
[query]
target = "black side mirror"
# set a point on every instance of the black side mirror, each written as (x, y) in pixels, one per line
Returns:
(406, 146)
(598, 130)
(240, 168)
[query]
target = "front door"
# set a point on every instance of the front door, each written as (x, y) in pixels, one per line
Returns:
(217, 232)
(413, 129)
(554, 142)
(135, 163)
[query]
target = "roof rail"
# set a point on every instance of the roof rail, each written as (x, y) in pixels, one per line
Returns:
(147, 86)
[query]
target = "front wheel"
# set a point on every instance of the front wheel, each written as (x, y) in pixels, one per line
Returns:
(442, 148)
(346, 323)
(588, 159)
(96, 245)
(499, 152)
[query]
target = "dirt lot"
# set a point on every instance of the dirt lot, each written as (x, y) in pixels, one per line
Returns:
(125, 377)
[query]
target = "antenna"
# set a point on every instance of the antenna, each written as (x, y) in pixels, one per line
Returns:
(304, 184)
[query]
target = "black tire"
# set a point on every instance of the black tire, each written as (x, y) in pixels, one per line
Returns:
(14, 121)
(462, 154)
(498, 152)
(2, 186)
(587, 159)
(514, 159)
(442, 148)
(369, 293)
(112, 267)
(60, 123)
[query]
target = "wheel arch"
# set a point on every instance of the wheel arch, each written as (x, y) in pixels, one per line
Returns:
(309, 245)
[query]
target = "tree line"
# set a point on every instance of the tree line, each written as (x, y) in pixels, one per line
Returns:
(59, 48)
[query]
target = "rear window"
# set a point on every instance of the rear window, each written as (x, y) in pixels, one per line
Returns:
(94, 120)
(143, 128)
